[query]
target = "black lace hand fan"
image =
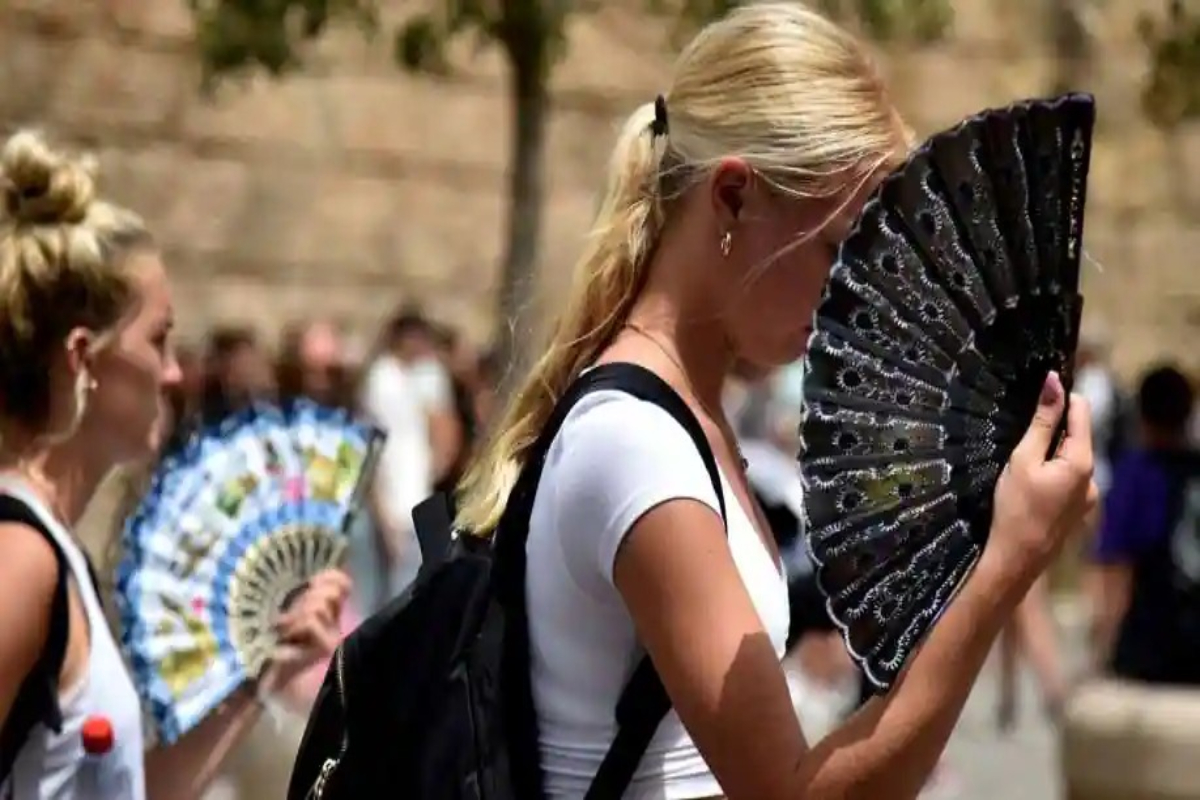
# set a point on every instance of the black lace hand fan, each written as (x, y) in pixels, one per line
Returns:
(955, 294)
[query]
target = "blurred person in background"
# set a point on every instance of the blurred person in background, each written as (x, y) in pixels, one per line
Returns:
(312, 364)
(85, 356)
(1032, 636)
(1111, 418)
(237, 372)
(184, 399)
(407, 392)
(462, 363)
(491, 372)
(1146, 582)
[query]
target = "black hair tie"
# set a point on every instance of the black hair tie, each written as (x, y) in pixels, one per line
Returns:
(660, 126)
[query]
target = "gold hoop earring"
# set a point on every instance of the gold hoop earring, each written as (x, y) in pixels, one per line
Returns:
(726, 243)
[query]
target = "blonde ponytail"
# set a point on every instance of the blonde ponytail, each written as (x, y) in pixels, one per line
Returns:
(775, 84)
(606, 282)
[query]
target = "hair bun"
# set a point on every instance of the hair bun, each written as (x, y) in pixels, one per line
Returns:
(43, 186)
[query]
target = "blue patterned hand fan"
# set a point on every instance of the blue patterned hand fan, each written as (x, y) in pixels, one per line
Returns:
(234, 524)
(954, 295)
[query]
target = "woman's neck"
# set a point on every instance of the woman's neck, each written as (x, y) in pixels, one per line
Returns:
(63, 476)
(703, 353)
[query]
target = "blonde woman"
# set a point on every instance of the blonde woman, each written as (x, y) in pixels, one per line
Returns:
(85, 357)
(726, 201)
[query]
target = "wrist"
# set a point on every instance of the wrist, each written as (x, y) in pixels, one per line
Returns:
(1000, 580)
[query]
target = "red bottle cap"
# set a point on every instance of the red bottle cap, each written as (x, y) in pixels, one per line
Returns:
(97, 735)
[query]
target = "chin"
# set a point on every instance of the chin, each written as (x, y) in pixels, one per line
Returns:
(793, 349)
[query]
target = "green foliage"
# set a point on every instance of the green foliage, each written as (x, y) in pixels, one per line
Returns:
(920, 21)
(235, 35)
(532, 32)
(1171, 95)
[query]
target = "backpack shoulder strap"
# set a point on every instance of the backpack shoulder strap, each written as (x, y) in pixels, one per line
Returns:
(644, 701)
(37, 698)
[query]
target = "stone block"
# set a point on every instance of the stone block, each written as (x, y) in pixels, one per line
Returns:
(567, 224)
(1131, 742)
(1132, 171)
(616, 53)
(152, 18)
(107, 87)
(51, 18)
(291, 115)
(440, 231)
(278, 200)
(30, 72)
(210, 204)
(578, 146)
(1166, 256)
(992, 26)
(937, 86)
(146, 178)
(422, 118)
(346, 220)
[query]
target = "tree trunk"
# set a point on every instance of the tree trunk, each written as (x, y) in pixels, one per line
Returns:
(530, 104)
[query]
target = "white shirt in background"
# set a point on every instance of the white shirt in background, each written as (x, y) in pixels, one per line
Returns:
(399, 398)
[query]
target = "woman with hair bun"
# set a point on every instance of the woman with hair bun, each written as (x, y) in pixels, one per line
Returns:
(727, 199)
(85, 359)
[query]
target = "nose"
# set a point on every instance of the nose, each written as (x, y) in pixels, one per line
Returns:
(172, 373)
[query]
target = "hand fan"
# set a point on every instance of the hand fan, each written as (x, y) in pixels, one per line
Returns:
(234, 524)
(951, 299)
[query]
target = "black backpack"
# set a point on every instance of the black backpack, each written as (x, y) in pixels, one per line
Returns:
(36, 702)
(431, 697)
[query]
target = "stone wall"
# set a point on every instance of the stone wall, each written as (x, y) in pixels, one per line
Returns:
(351, 186)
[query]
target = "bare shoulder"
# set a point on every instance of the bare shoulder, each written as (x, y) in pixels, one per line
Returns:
(28, 576)
(27, 560)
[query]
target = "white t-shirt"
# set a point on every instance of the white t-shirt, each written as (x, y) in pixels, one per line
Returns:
(399, 397)
(615, 458)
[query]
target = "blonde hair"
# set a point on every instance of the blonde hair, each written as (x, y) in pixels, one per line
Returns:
(791, 93)
(61, 251)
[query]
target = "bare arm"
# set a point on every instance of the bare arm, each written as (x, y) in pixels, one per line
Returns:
(695, 618)
(697, 621)
(28, 575)
(184, 770)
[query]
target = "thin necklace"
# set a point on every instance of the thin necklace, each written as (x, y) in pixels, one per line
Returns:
(638, 329)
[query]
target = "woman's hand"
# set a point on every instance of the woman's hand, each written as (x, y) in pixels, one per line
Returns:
(1040, 502)
(308, 630)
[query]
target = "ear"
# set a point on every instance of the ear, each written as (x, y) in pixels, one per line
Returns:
(78, 346)
(730, 185)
